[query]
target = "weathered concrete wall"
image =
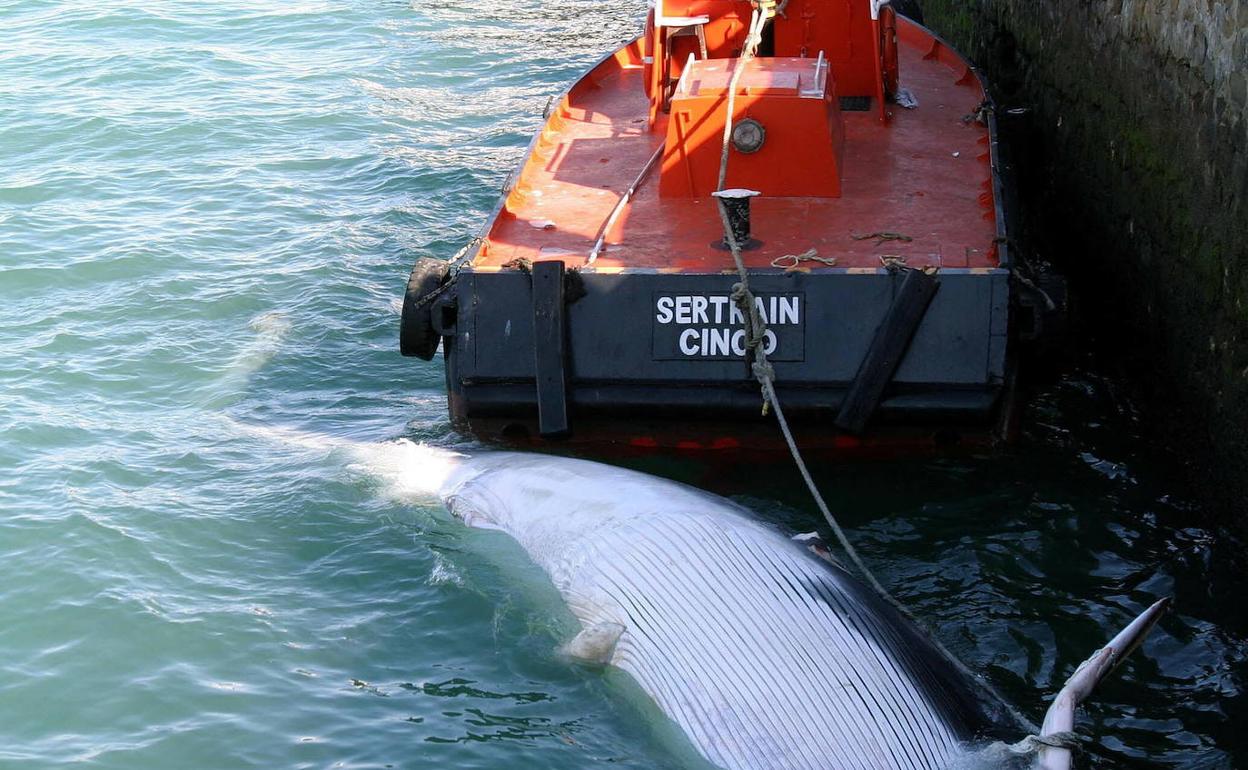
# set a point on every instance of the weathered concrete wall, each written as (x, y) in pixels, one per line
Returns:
(1140, 153)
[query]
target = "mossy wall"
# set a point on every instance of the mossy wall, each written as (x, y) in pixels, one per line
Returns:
(1137, 177)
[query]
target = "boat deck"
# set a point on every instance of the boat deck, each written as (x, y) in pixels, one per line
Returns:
(925, 175)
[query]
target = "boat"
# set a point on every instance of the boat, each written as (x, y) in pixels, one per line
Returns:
(864, 192)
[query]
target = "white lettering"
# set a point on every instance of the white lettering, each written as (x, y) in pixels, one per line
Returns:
(789, 313)
(683, 310)
(699, 310)
(665, 310)
(719, 345)
(689, 342)
(714, 324)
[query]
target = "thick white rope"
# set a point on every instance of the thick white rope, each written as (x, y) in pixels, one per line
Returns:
(756, 327)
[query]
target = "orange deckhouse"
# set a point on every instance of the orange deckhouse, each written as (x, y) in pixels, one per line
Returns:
(865, 184)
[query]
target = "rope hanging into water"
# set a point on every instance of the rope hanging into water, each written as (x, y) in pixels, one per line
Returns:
(1032, 744)
(756, 327)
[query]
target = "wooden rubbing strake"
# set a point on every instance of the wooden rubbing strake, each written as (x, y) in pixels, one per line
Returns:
(888, 347)
(550, 349)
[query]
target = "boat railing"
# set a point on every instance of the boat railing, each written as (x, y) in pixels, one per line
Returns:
(817, 87)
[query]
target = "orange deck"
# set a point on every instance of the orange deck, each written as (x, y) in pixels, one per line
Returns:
(925, 174)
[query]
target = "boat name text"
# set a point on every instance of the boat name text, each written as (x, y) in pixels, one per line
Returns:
(711, 326)
(689, 309)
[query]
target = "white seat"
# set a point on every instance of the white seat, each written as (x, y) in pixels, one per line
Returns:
(680, 21)
(663, 20)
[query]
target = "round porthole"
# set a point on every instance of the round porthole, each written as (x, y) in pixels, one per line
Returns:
(748, 136)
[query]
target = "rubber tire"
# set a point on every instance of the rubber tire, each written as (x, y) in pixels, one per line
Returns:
(416, 335)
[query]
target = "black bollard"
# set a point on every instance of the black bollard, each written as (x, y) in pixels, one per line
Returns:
(737, 205)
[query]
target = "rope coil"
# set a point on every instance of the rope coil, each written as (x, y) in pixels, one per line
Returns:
(794, 261)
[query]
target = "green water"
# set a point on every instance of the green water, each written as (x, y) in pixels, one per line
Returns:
(207, 213)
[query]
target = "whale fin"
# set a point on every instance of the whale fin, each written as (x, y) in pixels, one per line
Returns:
(596, 643)
(1060, 718)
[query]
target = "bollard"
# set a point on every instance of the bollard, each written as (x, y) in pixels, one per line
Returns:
(737, 205)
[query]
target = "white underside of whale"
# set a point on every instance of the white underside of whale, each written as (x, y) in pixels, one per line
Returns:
(750, 644)
(765, 656)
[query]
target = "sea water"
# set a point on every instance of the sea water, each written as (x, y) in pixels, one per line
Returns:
(208, 554)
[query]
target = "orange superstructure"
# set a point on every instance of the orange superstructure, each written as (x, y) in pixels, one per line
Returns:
(789, 103)
(827, 174)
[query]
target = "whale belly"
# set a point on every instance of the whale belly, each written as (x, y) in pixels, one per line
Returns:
(755, 648)
(766, 656)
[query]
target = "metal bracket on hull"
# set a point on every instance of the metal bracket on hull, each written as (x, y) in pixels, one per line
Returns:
(888, 347)
(550, 349)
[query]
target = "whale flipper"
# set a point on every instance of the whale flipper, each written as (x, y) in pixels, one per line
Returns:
(1060, 719)
(596, 643)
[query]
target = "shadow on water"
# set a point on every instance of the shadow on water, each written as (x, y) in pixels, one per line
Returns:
(1024, 562)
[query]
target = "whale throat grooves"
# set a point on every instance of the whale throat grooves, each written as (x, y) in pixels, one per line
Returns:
(765, 656)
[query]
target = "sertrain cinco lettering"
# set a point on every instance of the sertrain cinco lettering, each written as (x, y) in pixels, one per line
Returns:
(716, 324)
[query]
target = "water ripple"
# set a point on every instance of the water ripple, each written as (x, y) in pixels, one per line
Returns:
(206, 214)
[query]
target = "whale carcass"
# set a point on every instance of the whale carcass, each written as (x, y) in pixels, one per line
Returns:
(764, 654)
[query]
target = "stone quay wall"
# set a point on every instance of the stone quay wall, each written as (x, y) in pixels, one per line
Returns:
(1135, 178)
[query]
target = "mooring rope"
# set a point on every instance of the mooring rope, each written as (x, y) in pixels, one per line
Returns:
(455, 264)
(1000, 753)
(1032, 744)
(755, 331)
(756, 327)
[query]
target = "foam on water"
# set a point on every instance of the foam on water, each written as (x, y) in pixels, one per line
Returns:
(408, 471)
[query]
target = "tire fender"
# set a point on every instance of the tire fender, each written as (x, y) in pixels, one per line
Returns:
(417, 336)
